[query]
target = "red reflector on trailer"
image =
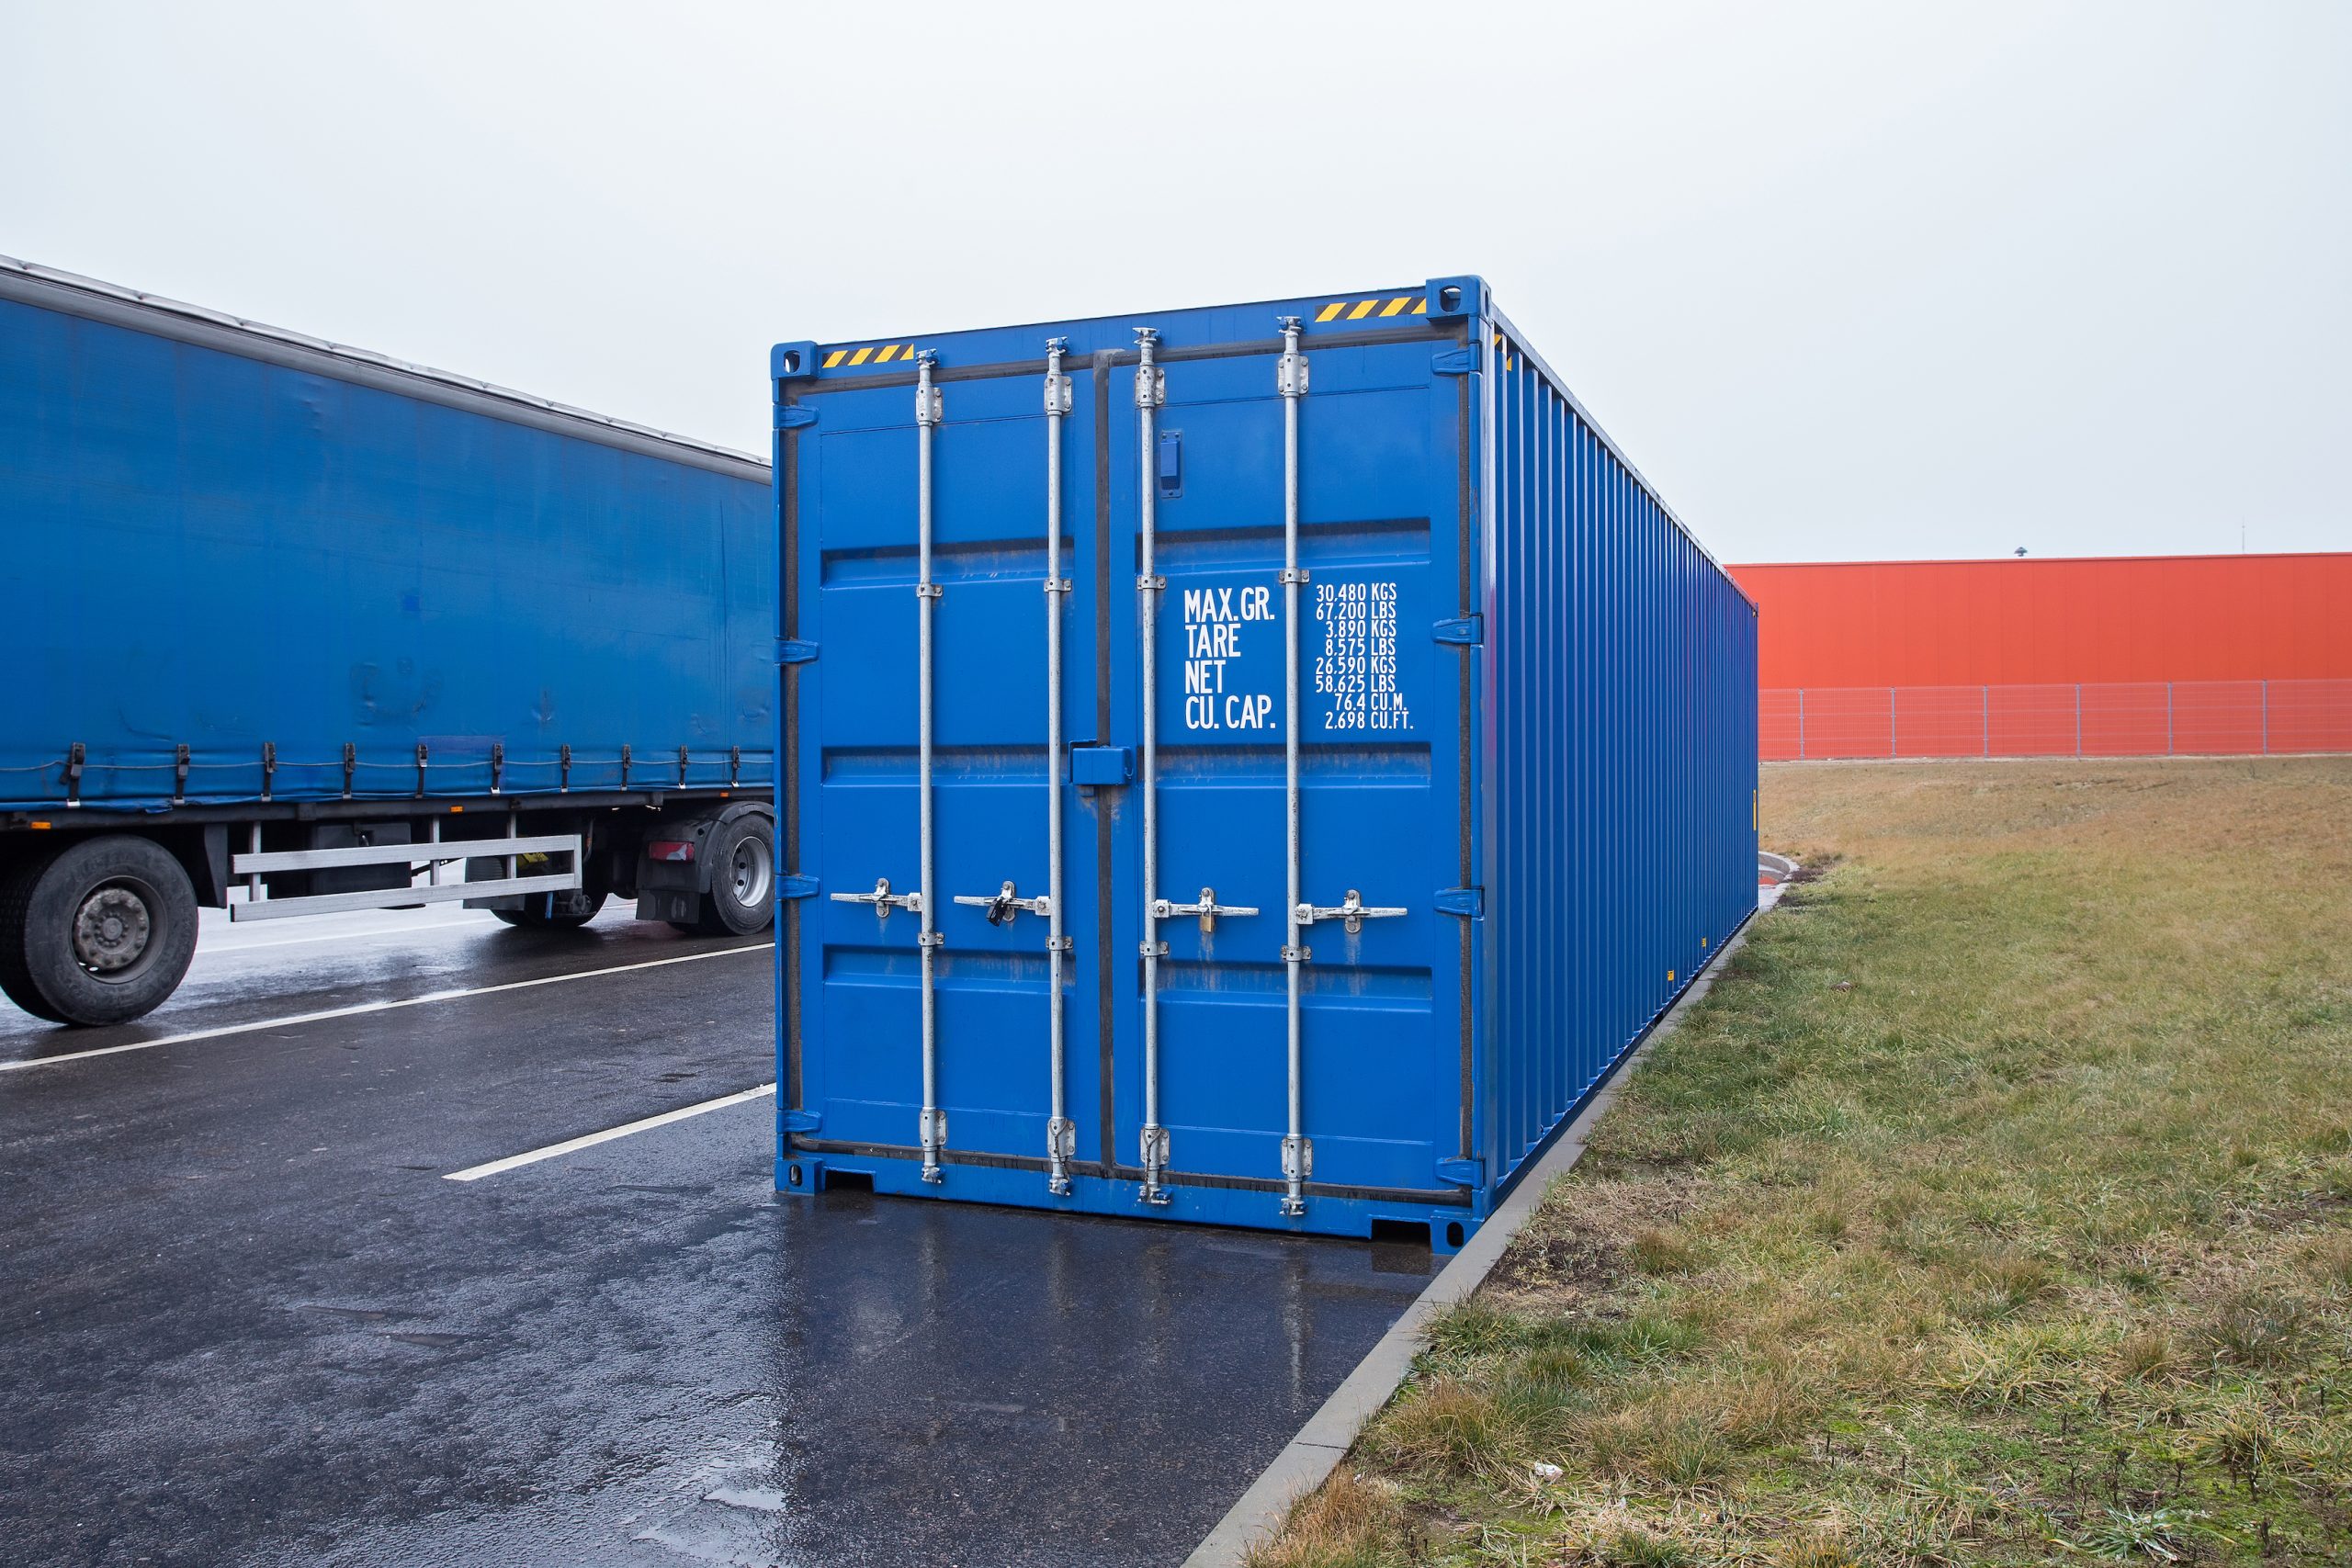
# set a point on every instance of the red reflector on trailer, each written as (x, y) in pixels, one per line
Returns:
(671, 849)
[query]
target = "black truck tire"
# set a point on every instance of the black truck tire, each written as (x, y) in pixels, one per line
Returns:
(101, 931)
(15, 899)
(740, 853)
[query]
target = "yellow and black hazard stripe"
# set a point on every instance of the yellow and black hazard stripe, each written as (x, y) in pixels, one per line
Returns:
(1378, 307)
(871, 354)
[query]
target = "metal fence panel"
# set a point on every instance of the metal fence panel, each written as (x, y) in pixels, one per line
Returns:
(2144, 719)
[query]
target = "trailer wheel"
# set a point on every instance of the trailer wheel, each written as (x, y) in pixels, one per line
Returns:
(101, 931)
(741, 857)
(15, 899)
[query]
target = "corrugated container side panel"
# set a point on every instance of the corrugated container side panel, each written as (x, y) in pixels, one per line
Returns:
(1535, 729)
(1580, 636)
(1511, 709)
(1513, 712)
(1625, 747)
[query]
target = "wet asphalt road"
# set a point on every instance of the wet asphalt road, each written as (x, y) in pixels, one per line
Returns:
(244, 1319)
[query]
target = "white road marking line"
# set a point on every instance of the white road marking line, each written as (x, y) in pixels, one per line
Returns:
(476, 1172)
(358, 1008)
(220, 949)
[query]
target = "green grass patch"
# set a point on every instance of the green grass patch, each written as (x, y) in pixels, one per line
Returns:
(1996, 1208)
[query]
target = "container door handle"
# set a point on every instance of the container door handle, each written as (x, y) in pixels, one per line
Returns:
(1352, 911)
(1207, 908)
(883, 899)
(1004, 905)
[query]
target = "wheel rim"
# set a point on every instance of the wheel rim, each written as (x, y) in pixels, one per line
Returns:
(750, 871)
(115, 930)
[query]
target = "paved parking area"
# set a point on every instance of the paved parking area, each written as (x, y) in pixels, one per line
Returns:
(244, 1317)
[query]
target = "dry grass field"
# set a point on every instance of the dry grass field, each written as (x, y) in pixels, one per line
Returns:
(1996, 1208)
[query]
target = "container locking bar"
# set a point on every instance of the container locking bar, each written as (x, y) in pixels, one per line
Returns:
(932, 1126)
(1298, 1150)
(1061, 1133)
(1298, 1155)
(1151, 392)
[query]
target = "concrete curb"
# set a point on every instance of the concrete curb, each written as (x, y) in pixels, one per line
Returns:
(1323, 1442)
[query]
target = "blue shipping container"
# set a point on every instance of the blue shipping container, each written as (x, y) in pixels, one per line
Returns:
(240, 551)
(1378, 766)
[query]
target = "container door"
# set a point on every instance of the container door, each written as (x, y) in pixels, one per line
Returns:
(1204, 1021)
(949, 1010)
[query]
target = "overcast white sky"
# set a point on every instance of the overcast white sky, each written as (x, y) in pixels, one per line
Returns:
(1847, 280)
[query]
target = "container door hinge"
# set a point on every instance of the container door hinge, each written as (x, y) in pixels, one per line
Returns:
(793, 885)
(792, 650)
(810, 1121)
(1463, 1172)
(795, 416)
(1468, 631)
(1470, 902)
(1454, 361)
(1299, 1163)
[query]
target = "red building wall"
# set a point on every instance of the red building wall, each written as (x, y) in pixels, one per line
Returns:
(2033, 657)
(2011, 622)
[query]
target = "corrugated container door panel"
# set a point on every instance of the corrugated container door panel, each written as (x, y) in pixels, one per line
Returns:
(1506, 841)
(1370, 700)
(989, 769)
